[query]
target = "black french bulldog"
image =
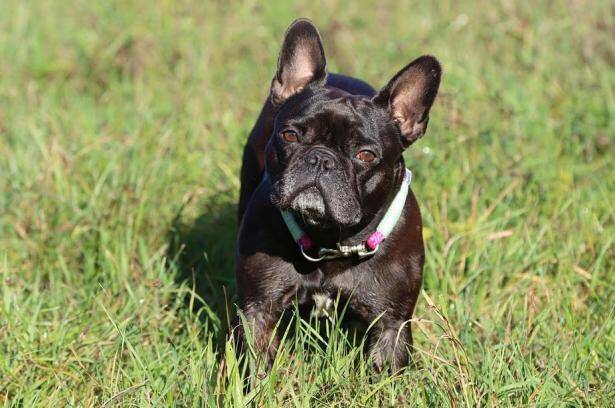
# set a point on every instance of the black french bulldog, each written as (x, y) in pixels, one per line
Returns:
(326, 151)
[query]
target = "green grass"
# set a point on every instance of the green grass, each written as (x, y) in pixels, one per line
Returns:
(121, 130)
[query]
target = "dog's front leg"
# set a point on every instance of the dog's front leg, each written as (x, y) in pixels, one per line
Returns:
(261, 319)
(266, 287)
(390, 344)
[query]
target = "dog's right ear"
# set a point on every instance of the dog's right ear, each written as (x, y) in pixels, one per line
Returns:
(301, 62)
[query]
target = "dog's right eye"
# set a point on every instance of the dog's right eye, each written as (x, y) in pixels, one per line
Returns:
(290, 136)
(366, 156)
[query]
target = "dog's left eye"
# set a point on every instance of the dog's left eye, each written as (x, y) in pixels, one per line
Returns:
(366, 156)
(290, 136)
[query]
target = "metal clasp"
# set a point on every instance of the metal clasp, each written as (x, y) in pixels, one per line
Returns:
(342, 251)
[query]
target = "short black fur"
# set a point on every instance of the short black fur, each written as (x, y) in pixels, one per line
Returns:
(329, 149)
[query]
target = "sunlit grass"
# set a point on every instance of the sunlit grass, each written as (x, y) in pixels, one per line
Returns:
(121, 131)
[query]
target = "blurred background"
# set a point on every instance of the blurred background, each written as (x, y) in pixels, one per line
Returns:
(121, 130)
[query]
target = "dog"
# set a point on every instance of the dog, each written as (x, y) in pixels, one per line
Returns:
(325, 207)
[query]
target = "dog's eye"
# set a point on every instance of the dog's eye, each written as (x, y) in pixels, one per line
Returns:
(289, 135)
(366, 156)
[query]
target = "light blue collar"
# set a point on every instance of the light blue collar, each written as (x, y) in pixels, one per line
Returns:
(362, 250)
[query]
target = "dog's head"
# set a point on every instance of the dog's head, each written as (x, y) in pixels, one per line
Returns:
(332, 157)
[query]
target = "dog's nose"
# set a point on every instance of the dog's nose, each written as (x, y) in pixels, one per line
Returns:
(327, 163)
(320, 159)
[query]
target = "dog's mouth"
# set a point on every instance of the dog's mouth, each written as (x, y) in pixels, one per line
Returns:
(310, 205)
(307, 203)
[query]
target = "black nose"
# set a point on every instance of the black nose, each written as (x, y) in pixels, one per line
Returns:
(317, 158)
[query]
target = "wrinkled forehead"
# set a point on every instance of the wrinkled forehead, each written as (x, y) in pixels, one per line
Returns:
(331, 110)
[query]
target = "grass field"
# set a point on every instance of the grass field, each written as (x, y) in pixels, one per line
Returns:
(121, 130)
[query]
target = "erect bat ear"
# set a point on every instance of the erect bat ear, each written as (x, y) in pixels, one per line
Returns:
(409, 96)
(301, 61)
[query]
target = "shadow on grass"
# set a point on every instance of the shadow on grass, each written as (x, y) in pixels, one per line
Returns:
(201, 252)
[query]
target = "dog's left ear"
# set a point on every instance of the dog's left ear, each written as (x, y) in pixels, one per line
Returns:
(409, 96)
(301, 62)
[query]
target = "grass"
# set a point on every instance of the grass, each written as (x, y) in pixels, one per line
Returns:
(121, 130)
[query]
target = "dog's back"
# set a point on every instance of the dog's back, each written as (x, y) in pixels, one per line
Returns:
(351, 85)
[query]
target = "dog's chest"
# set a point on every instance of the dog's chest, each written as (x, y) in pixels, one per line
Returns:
(321, 290)
(323, 305)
